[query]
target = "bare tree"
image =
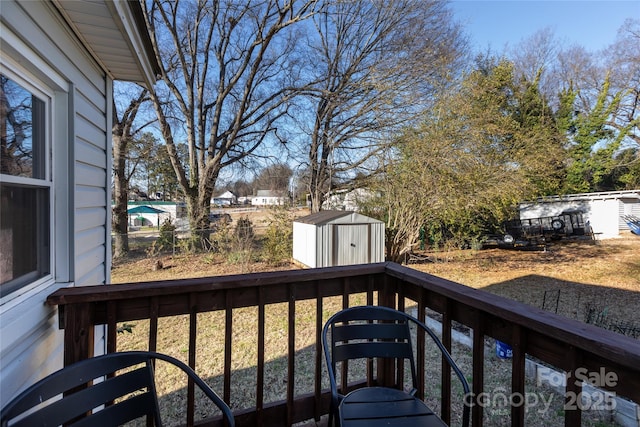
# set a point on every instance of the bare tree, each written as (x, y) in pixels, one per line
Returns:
(371, 66)
(605, 88)
(274, 177)
(16, 130)
(123, 133)
(227, 78)
(623, 62)
(577, 68)
(536, 57)
(616, 69)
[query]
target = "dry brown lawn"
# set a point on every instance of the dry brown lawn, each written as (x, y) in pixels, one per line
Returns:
(604, 275)
(568, 277)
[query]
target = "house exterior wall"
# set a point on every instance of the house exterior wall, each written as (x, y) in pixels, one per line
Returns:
(347, 200)
(35, 41)
(268, 198)
(603, 211)
(268, 201)
(225, 199)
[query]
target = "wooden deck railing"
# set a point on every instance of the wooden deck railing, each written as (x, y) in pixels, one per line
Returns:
(563, 343)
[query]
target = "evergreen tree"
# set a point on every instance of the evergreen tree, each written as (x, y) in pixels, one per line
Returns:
(592, 142)
(483, 148)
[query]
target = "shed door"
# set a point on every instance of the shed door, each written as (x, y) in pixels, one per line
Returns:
(351, 244)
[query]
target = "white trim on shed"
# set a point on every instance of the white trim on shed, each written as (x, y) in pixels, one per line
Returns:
(332, 238)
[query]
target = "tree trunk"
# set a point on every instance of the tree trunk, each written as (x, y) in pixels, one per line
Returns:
(120, 196)
(198, 209)
(121, 135)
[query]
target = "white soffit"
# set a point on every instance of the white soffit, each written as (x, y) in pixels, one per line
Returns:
(116, 39)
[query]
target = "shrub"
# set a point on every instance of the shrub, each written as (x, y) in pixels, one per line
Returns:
(222, 237)
(244, 229)
(240, 249)
(278, 242)
(166, 240)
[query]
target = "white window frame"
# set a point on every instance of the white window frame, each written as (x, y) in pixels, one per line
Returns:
(31, 76)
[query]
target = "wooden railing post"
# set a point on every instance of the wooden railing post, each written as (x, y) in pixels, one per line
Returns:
(317, 388)
(573, 391)
(291, 353)
(261, 358)
(193, 330)
(385, 374)
(78, 332)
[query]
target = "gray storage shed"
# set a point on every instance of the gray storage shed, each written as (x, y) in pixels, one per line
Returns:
(332, 238)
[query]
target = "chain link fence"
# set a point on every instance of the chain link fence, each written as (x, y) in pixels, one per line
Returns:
(239, 240)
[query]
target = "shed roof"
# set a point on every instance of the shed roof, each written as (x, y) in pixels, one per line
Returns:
(226, 195)
(324, 217)
(145, 209)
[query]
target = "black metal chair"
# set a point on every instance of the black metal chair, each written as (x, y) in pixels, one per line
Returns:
(70, 396)
(374, 332)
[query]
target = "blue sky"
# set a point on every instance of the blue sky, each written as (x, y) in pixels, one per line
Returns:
(591, 24)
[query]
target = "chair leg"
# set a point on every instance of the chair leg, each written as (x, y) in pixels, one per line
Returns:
(331, 422)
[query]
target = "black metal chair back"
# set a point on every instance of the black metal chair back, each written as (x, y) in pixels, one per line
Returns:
(368, 333)
(88, 393)
(376, 332)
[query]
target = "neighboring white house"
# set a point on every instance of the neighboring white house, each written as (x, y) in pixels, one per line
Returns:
(269, 198)
(348, 200)
(332, 238)
(225, 199)
(58, 62)
(602, 211)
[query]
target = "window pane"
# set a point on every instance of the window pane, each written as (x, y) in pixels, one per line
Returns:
(24, 236)
(22, 131)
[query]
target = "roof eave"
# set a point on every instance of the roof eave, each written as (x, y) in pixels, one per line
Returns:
(135, 59)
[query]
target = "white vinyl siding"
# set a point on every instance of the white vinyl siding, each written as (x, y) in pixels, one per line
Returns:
(36, 36)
